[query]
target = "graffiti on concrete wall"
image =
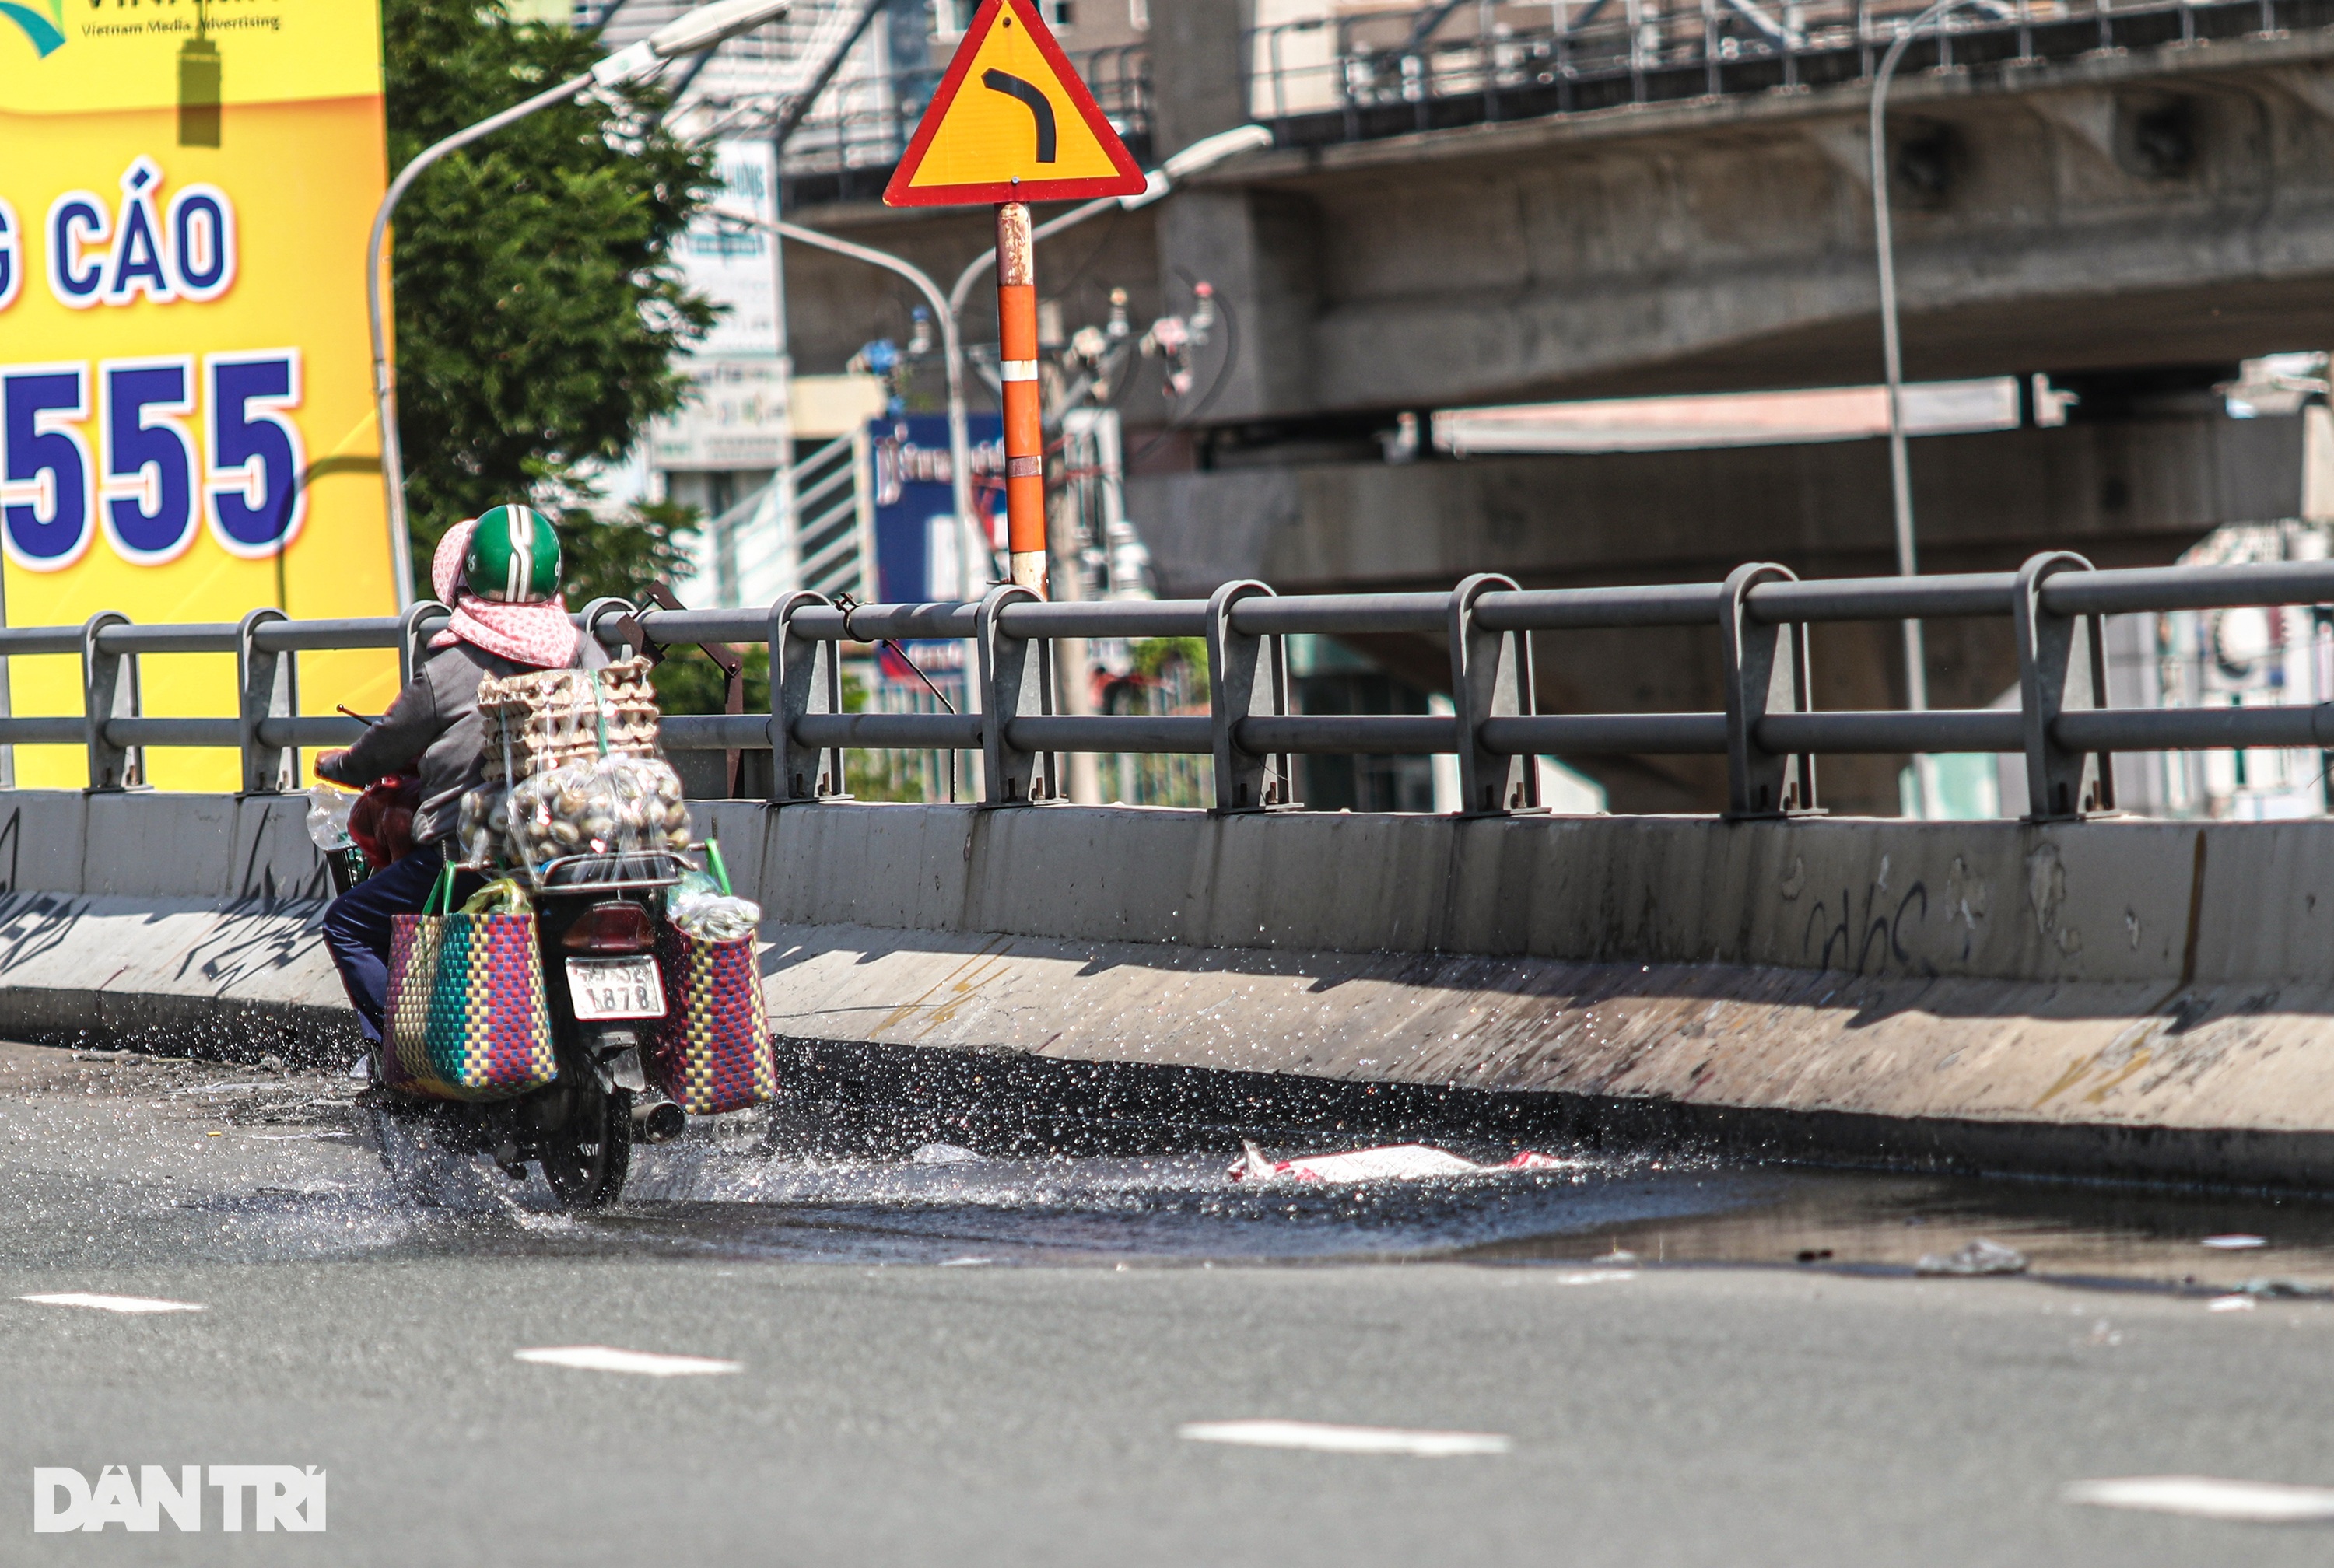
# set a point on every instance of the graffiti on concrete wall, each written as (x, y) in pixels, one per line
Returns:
(1885, 930)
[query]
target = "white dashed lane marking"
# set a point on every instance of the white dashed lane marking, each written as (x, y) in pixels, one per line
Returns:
(1332, 1439)
(641, 1363)
(2207, 1497)
(114, 1303)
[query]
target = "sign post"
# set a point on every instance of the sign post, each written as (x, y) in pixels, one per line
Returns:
(1011, 124)
(1024, 418)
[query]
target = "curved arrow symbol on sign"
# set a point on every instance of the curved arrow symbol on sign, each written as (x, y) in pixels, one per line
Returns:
(1030, 93)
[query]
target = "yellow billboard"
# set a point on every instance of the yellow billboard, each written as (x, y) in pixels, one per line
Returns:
(186, 413)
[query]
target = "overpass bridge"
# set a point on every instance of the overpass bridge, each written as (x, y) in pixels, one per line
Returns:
(1589, 201)
(1679, 203)
(2076, 991)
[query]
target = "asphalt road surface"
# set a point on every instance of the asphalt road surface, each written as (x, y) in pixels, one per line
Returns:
(989, 1361)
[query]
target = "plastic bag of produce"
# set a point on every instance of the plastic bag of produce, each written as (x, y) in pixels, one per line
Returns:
(608, 805)
(710, 915)
(381, 819)
(328, 817)
(483, 830)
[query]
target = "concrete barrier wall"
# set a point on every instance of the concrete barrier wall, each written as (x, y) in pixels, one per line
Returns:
(2107, 902)
(2134, 997)
(189, 923)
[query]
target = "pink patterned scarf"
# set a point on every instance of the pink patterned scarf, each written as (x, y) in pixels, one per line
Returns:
(536, 634)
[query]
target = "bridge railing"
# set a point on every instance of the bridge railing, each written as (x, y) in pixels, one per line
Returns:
(1363, 74)
(1768, 731)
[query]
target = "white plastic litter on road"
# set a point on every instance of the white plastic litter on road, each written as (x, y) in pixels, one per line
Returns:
(641, 1363)
(2230, 1303)
(1393, 1162)
(1333, 1439)
(114, 1303)
(2236, 1243)
(2206, 1497)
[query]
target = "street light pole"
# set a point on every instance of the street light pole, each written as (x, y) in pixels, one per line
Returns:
(1204, 153)
(692, 33)
(950, 310)
(1900, 471)
(384, 392)
(951, 346)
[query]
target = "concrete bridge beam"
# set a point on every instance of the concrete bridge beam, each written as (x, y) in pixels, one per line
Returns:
(1198, 76)
(2166, 203)
(2146, 487)
(2140, 207)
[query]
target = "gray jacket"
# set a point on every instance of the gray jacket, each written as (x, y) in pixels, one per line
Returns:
(435, 722)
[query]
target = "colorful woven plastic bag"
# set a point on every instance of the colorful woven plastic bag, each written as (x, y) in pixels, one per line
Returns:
(712, 1051)
(413, 944)
(467, 1015)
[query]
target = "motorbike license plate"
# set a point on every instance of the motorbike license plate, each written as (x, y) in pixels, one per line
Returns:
(614, 988)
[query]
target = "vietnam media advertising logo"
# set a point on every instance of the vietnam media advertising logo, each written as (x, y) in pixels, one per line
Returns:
(281, 1498)
(47, 31)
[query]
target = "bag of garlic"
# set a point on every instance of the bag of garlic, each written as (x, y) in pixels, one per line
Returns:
(608, 805)
(483, 830)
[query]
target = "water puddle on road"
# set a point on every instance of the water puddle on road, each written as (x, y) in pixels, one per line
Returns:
(1664, 1212)
(124, 1160)
(1166, 1208)
(2075, 1233)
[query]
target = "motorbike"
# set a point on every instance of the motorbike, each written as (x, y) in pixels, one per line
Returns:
(596, 918)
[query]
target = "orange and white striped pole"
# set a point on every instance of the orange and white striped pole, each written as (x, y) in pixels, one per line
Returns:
(1025, 435)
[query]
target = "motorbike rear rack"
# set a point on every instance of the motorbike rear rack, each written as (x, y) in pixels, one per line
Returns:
(547, 878)
(631, 873)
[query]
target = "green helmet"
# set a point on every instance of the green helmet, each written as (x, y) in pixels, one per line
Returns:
(514, 556)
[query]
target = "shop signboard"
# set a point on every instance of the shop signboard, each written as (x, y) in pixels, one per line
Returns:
(919, 551)
(187, 431)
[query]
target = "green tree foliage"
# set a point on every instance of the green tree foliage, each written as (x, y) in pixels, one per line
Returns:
(1153, 655)
(615, 558)
(537, 312)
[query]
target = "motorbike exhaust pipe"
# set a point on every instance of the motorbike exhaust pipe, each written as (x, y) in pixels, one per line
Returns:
(659, 1121)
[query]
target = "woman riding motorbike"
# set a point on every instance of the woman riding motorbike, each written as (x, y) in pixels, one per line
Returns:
(500, 573)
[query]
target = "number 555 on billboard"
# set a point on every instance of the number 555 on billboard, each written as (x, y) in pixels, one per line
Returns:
(186, 412)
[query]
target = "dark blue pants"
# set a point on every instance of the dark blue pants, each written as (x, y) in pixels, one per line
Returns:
(356, 928)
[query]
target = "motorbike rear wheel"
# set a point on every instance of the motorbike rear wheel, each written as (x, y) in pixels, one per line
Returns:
(587, 1158)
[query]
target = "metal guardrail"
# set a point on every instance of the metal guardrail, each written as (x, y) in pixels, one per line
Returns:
(268, 730)
(1364, 74)
(1768, 732)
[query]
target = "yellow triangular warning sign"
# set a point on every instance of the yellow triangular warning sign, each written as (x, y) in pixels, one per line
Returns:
(1011, 122)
